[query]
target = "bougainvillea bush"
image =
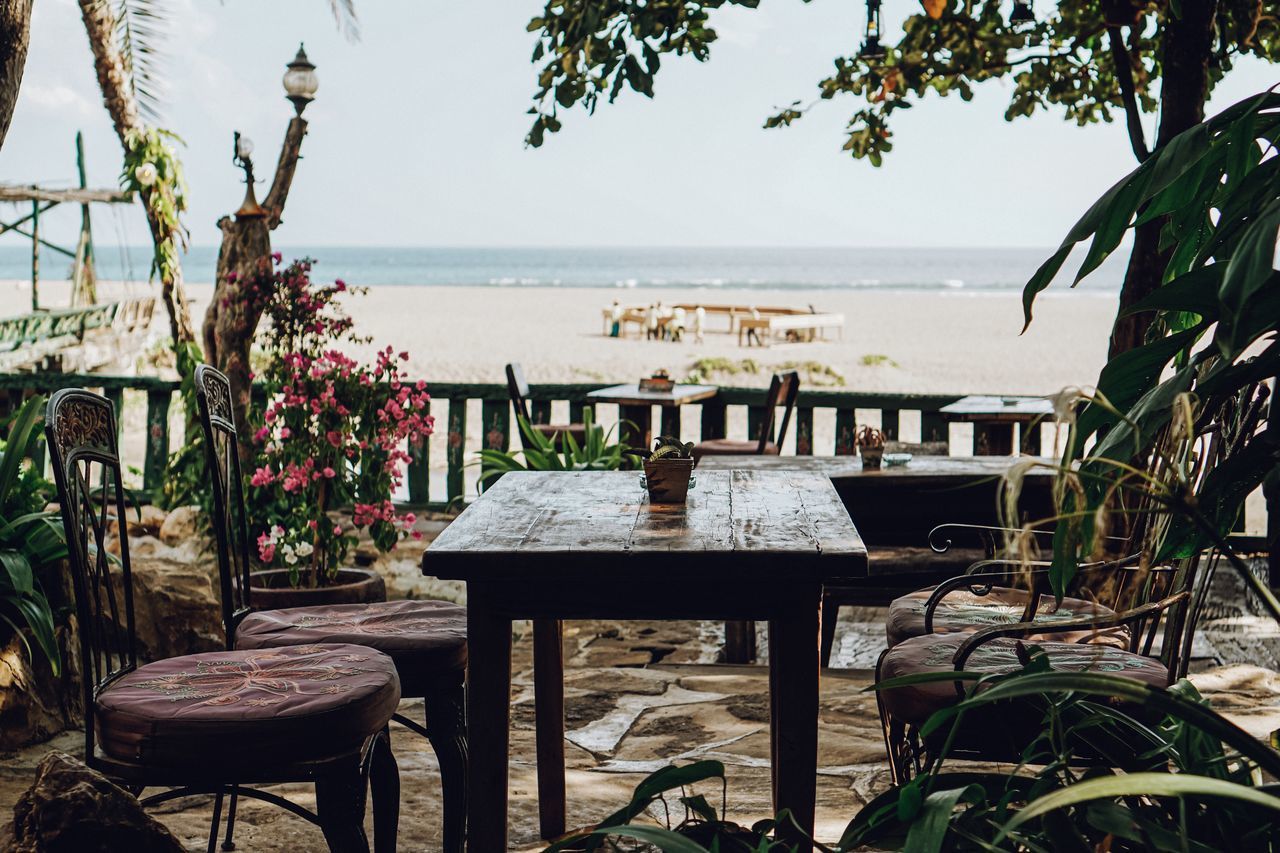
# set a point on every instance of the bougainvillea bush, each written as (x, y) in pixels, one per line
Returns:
(334, 431)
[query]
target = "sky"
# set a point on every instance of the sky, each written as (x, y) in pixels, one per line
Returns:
(416, 136)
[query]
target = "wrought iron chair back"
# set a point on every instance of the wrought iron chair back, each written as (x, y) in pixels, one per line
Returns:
(230, 522)
(80, 430)
(783, 390)
(518, 388)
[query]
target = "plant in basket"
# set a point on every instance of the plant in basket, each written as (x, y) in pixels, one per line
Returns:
(668, 470)
(871, 447)
(334, 432)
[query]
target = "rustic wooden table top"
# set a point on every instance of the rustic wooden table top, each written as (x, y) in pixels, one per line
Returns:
(742, 526)
(979, 407)
(849, 467)
(631, 395)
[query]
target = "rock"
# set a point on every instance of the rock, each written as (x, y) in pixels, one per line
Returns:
(180, 525)
(151, 519)
(175, 603)
(34, 703)
(74, 809)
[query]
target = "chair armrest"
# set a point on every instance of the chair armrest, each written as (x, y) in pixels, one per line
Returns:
(940, 545)
(978, 638)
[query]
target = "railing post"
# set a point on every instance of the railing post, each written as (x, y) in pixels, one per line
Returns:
(846, 432)
(456, 447)
(495, 418)
(714, 416)
(157, 452)
(419, 473)
(804, 431)
(890, 421)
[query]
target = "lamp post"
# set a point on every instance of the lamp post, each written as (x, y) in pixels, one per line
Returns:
(871, 47)
(232, 317)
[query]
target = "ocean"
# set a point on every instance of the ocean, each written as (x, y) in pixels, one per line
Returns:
(954, 270)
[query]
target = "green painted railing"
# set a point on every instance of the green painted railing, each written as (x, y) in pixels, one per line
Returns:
(48, 325)
(497, 426)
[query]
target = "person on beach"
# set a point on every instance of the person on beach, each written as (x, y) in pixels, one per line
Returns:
(663, 331)
(699, 323)
(615, 315)
(651, 322)
(677, 324)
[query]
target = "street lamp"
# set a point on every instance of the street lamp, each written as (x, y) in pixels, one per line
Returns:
(242, 156)
(871, 47)
(300, 81)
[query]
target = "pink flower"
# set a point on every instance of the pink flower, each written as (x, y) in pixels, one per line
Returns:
(329, 472)
(337, 530)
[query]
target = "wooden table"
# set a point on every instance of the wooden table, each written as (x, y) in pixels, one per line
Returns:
(894, 510)
(636, 409)
(587, 545)
(994, 418)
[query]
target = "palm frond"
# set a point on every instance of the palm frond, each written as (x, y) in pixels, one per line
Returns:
(344, 15)
(142, 28)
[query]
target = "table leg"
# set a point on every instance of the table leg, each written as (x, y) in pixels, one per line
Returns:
(793, 681)
(671, 420)
(1030, 438)
(739, 641)
(488, 721)
(548, 698)
(993, 439)
(636, 429)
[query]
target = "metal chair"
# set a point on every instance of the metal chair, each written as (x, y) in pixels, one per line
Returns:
(214, 722)
(426, 640)
(783, 389)
(518, 389)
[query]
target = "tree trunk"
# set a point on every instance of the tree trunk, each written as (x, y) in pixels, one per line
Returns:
(117, 95)
(1187, 43)
(15, 36)
(231, 320)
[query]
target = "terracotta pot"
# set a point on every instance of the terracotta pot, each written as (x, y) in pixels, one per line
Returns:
(668, 480)
(871, 457)
(270, 589)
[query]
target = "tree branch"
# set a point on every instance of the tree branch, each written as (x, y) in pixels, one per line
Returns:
(285, 167)
(1124, 75)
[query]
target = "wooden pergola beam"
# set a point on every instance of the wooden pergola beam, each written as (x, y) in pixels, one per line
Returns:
(16, 193)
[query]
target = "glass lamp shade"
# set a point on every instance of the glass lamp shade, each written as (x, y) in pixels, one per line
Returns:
(300, 81)
(244, 147)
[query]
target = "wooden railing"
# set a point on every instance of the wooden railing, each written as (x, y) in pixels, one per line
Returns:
(47, 325)
(497, 427)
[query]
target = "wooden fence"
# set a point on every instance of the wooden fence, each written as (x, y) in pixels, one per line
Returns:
(497, 424)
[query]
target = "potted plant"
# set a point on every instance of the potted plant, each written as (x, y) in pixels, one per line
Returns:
(668, 469)
(333, 434)
(871, 446)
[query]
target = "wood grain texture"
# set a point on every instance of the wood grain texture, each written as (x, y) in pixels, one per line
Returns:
(742, 526)
(631, 395)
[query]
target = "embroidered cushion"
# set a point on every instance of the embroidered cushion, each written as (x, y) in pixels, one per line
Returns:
(226, 709)
(935, 652)
(962, 610)
(426, 639)
(731, 447)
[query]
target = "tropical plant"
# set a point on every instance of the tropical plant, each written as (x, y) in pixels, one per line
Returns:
(334, 431)
(1095, 61)
(1213, 333)
(670, 447)
(1180, 777)
(541, 453)
(31, 539)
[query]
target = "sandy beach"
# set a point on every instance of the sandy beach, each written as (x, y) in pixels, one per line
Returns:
(927, 342)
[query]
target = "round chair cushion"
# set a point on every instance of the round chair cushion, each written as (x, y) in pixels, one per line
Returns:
(299, 704)
(915, 703)
(730, 447)
(962, 610)
(426, 639)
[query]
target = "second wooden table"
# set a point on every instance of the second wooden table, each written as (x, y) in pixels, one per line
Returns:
(588, 545)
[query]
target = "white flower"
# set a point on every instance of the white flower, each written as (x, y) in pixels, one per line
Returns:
(290, 558)
(305, 549)
(276, 533)
(145, 174)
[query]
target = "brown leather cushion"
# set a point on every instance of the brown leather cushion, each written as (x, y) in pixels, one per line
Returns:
(426, 639)
(934, 653)
(730, 447)
(962, 610)
(222, 709)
